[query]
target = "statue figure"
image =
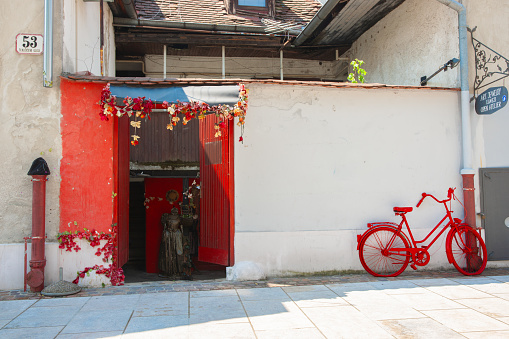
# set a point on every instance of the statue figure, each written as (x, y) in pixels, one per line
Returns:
(171, 252)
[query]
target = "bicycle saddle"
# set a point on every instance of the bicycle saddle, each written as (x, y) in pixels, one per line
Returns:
(402, 209)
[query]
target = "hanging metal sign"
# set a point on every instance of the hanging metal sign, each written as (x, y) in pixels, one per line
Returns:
(491, 100)
(29, 43)
(490, 66)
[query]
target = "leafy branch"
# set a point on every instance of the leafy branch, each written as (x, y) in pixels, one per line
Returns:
(358, 73)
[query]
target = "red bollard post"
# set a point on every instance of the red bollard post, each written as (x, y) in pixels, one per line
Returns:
(39, 172)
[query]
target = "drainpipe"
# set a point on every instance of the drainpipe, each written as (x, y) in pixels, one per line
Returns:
(39, 172)
(101, 34)
(467, 171)
(47, 77)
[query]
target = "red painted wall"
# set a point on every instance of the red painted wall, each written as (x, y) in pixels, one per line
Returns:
(86, 167)
(155, 200)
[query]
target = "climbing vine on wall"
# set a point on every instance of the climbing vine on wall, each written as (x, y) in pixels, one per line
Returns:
(68, 242)
(140, 109)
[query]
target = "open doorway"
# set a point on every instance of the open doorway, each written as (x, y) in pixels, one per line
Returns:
(179, 174)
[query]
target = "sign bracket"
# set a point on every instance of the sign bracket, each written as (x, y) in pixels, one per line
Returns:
(490, 66)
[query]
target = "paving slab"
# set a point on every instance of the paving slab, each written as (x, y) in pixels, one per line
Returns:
(295, 333)
(434, 282)
(344, 322)
(164, 333)
(503, 278)
(112, 302)
(424, 328)
(58, 302)
(378, 305)
(227, 310)
(488, 334)
(99, 320)
(162, 304)
(502, 295)
(458, 292)
(504, 319)
(4, 322)
(10, 309)
(466, 320)
(91, 335)
(216, 293)
(275, 315)
(492, 307)
(485, 284)
(44, 316)
(32, 333)
(343, 290)
(427, 301)
(266, 293)
(398, 287)
(221, 330)
(317, 299)
(144, 324)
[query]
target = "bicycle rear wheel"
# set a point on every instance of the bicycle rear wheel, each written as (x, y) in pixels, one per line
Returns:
(467, 250)
(377, 254)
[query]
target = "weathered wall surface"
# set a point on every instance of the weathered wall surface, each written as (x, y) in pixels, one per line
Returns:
(81, 38)
(414, 40)
(30, 116)
(86, 191)
(317, 164)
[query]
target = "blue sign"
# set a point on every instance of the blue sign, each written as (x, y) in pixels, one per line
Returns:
(491, 100)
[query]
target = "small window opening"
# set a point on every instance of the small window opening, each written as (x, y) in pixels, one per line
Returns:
(253, 3)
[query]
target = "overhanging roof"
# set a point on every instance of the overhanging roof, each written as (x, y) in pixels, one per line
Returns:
(342, 22)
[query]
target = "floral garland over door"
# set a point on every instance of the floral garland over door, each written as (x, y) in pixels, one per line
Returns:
(141, 110)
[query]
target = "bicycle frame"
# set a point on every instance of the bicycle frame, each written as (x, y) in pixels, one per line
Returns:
(385, 249)
(414, 250)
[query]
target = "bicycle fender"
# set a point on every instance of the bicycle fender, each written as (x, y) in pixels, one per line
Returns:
(375, 226)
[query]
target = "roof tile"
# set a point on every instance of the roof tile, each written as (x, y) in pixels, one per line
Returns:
(297, 12)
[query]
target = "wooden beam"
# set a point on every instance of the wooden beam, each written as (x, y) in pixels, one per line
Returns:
(199, 39)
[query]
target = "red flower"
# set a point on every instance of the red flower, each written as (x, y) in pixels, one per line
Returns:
(241, 139)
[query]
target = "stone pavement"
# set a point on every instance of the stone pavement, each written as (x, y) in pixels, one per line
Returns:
(431, 304)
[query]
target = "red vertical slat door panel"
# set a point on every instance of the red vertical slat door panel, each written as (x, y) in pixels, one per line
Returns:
(123, 191)
(215, 189)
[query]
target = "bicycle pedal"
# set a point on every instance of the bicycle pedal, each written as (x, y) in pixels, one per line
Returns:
(413, 266)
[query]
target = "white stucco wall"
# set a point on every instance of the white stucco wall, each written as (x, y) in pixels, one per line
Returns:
(414, 40)
(317, 164)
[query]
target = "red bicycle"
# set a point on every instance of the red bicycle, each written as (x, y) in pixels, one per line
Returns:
(385, 250)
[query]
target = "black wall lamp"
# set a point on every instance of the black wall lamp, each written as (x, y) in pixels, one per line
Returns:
(448, 65)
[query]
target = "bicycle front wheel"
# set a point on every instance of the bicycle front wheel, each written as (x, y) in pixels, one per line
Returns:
(380, 252)
(467, 250)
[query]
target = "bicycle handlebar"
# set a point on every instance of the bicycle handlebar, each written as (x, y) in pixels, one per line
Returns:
(449, 196)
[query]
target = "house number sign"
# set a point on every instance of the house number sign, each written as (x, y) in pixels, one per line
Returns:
(491, 100)
(29, 44)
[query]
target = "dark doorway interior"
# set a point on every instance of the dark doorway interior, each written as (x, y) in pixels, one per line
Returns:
(143, 255)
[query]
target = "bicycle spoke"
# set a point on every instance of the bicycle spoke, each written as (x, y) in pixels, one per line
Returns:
(468, 260)
(382, 252)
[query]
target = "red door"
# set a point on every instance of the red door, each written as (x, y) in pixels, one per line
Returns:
(216, 203)
(122, 190)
